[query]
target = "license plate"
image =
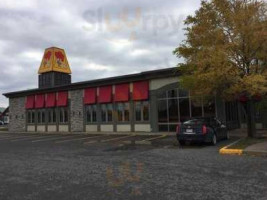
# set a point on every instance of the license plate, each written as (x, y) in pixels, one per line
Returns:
(189, 131)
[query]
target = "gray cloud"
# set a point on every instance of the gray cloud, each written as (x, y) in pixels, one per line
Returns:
(98, 41)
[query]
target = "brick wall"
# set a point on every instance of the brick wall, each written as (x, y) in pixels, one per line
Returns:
(76, 111)
(17, 120)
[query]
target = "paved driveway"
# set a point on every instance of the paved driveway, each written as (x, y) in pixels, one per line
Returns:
(78, 167)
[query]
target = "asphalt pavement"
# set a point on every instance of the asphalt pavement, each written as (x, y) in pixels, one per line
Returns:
(101, 167)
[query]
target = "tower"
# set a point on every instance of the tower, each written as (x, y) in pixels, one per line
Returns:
(54, 69)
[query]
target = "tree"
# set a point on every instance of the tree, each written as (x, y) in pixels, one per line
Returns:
(225, 51)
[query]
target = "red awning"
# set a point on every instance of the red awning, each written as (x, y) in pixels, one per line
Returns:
(89, 96)
(40, 101)
(50, 100)
(121, 93)
(105, 94)
(140, 90)
(62, 98)
(30, 102)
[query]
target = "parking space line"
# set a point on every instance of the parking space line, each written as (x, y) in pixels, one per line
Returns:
(114, 139)
(77, 139)
(6, 136)
(154, 138)
(54, 138)
(32, 137)
(94, 141)
(12, 137)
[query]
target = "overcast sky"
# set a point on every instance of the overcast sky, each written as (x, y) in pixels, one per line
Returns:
(101, 38)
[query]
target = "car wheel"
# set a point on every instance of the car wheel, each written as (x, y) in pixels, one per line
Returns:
(182, 142)
(214, 140)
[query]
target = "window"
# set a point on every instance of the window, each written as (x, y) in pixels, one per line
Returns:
(141, 111)
(162, 111)
(123, 110)
(63, 115)
(40, 116)
(183, 93)
(106, 112)
(184, 109)
(162, 95)
(91, 111)
(173, 93)
(231, 111)
(52, 117)
(196, 106)
(177, 105)
(173, 110)
(31, 116)
(209, 108)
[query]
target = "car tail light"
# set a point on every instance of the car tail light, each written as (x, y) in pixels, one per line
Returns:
(178, 129)
(204, 129)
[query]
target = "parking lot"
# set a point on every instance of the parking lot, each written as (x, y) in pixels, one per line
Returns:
(86, 139)
(78, 166)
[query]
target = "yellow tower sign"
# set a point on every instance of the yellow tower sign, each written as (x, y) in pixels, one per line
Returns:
(54, 60)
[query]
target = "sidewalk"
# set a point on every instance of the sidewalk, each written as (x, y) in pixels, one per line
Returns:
(257, 149)
(243, 132)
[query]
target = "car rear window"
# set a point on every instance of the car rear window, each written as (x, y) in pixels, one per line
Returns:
(196, 121)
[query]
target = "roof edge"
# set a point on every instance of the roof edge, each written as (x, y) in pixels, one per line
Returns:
(146, 75)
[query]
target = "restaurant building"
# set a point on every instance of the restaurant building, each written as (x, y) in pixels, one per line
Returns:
(151, 101)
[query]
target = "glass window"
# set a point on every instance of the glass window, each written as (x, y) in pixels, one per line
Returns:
(40, 116)
(66, 115)
(63, 115)
(138, 110)
(162, 95)
(173, 110)
(162, 111)
(43, 116)
(91, 114)
(110, 112)
(31, 116)
(106, 112)
(52, 115)
(126, 112)
(173, 93)
(142, 111)
(103, 113)
(184, 109)
(120, 112)
(145, 111)
(183, 93)
(196, 106)
(209, 108)
(123, 111)
(231, 111)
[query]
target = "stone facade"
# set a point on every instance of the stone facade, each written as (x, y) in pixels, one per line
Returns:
(76, 111)
(17, 120)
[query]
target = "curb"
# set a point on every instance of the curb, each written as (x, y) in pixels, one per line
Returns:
(255, 153)
(225, 149)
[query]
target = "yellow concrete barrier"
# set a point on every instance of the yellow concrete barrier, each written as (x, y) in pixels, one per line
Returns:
(227, 149)
(231, 151)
